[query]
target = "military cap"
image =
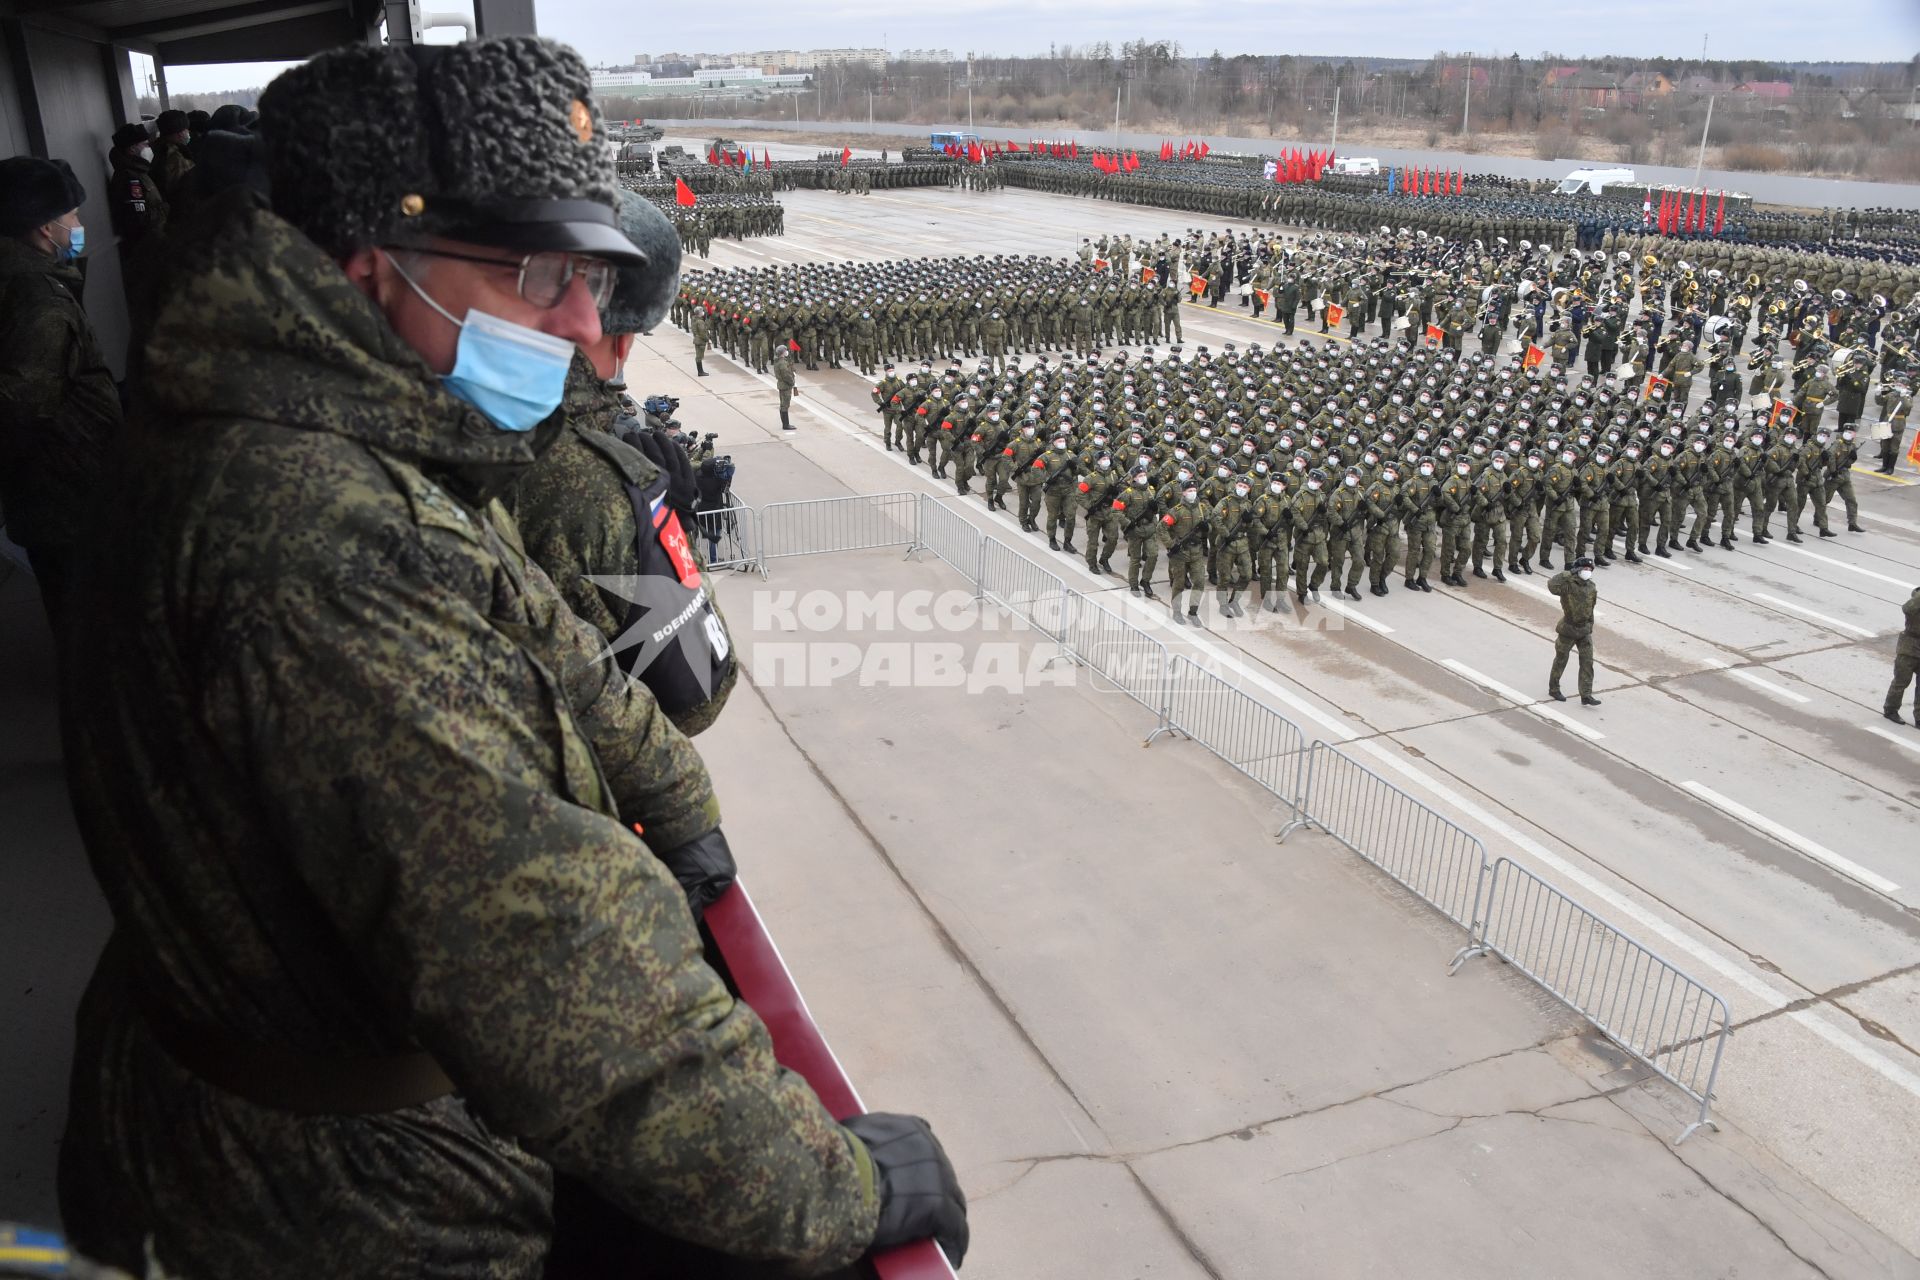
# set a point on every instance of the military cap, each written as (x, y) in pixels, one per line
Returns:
(643, 291)
(34, 192)
(232, 118)
(492, 141)
(199, 121)
(171, 121)
(131, 135)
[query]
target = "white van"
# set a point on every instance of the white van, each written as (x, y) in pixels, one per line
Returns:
(1589, 181)
(1365, 165)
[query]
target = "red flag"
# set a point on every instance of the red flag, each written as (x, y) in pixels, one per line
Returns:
(1459, 182)
(1076, 150)
(767, 159)
(713, 156)
(846, 154)
(1204, 148)
(1720, 214)
(1533, 357)
(683, 194)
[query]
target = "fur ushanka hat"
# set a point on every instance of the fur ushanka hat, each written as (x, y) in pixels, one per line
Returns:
(494, 141)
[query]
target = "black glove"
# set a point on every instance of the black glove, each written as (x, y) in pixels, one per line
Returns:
(678, 468)
(919, 1194)
(704, 867)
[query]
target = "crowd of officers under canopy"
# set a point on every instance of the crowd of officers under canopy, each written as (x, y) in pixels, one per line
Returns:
(1492, 406)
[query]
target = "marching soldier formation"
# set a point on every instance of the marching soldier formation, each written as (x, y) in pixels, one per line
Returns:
(925, 308)
(1259, 471)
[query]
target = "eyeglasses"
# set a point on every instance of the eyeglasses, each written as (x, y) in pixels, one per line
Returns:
(545, 277)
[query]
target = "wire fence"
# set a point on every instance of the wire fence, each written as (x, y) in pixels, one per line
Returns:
(1666, 1019)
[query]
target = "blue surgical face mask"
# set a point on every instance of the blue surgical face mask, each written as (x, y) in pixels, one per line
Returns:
(76, 242)
(515, 375)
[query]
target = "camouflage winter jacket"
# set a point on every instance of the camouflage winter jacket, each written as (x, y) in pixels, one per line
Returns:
(576, 520)
(355, 787)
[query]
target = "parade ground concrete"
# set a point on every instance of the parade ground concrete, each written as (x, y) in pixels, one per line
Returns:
(1156, 1040)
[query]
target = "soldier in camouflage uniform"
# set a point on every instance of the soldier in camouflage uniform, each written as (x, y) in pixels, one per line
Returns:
(401, 978)
(61, 410)
(579, 519)
(1577, 594)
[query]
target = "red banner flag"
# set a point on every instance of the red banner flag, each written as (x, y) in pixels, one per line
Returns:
(1335, 314)
(1436, 334)
(713, 156)
(683, 194)
(1720, 214)
(1533, 357)
(1204, 148)
(1166, 150)
(1460, 182)
(1197, 285)
(846, 154)
(1148, 275)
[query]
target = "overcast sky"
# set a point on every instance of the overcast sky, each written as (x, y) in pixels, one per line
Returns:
(612, 31)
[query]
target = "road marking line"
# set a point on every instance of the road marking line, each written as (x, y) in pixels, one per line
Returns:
(1524, 585)
(1902, 583)
(1531, 704)
(1346, 611)
(1768, 685)
(1817, 617)
(1878, 475)
(1895, 521)
(1793, 839)
(1911, 741)
(1672, 563)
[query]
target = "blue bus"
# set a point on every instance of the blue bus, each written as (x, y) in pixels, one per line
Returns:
(961, 140)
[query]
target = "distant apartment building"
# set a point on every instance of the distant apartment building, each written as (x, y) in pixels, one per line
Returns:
(924, 55)
(774, 60)
(631, 82)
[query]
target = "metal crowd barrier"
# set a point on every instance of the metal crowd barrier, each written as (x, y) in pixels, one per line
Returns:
(1021, 587)
(949, 535)
(818, 525)
(1245, 733)
(729, 535)
(1664, 1018)
(1639, 1000)
(1120, 654)
(1441, 863)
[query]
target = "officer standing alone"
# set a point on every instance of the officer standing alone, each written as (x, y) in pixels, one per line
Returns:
(1577, 596)
(1906, 663)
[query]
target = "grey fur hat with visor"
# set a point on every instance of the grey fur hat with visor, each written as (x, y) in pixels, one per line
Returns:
(491, 142)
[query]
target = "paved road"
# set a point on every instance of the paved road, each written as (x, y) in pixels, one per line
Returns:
(1737, 803)
(1772, 188)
